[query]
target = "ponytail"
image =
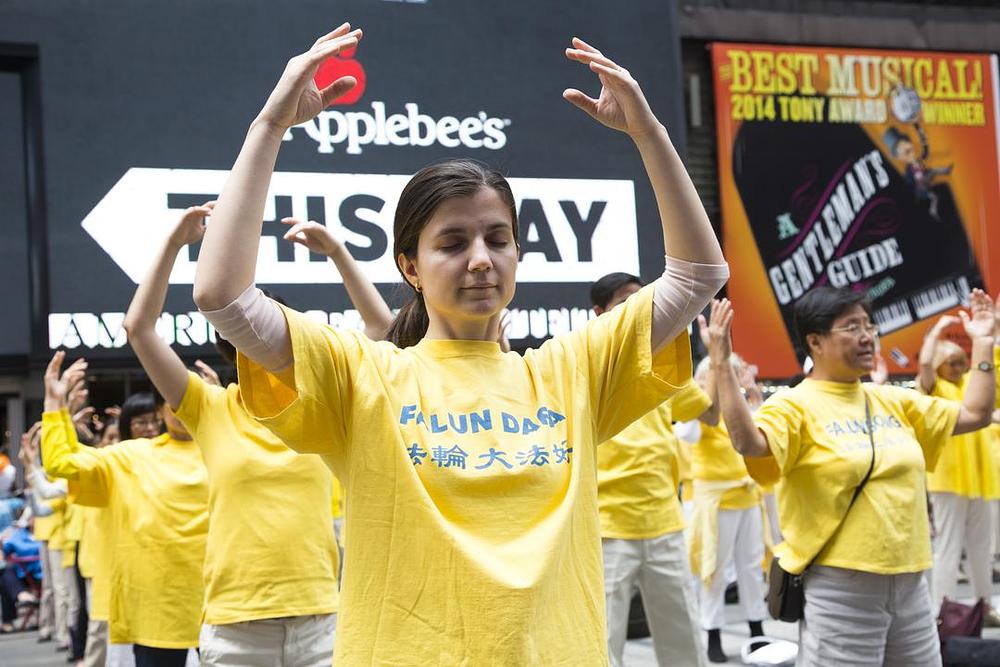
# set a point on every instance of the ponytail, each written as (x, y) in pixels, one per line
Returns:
(410, 324)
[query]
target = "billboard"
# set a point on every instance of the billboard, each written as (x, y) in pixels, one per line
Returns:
(867, 169)
(146, 105)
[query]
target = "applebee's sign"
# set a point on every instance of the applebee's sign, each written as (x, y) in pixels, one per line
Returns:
(382, 126)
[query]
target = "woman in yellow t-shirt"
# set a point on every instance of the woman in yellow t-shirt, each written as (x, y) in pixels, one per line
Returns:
(642, 524)
(472, 533)
(866, 597)
(157, 493)
(271, 562)
(965, 481)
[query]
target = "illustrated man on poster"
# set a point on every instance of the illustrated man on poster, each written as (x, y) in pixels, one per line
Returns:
(905, 105)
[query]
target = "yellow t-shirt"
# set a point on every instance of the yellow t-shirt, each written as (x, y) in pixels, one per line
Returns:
(96, 553)
(638, 471)
(271, 551)
(967, 466)
(157, 493)
(470, 480)
(817, 433)
(336, 494)
(52, 526)
(713, 458)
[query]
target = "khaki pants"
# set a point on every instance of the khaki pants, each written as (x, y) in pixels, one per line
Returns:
(864, 619)
(962, 522)
(659, 567)
(295, 641)
(64, 597)
(46, 607)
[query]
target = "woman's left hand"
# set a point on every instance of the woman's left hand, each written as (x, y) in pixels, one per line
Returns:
(621, 104)
(980, 321)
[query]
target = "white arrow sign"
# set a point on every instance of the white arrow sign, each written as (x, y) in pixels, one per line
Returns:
(574, 230)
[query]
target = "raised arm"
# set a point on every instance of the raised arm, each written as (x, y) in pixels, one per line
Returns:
(59, 443)
(38, 483)
(980, 392)
(712, 414)
(927, 374)
(361, 291)
(621, 105)
(162, 364)
(695, 267)
(746, 437)
(228, 257)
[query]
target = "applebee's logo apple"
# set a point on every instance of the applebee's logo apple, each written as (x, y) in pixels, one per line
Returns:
(378, 127)
(343, 64)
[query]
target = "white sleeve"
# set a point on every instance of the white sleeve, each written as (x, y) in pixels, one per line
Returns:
(689, 432)
(255, 325)
(38, 508)
(46, 489)
(683, 291)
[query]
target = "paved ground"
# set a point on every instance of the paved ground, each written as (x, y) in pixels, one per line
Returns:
(21, 650)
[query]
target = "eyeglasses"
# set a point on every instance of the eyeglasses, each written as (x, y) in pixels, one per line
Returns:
(140, 422)
(856, 329)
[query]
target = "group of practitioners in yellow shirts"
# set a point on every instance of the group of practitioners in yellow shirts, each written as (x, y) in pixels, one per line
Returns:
(483, 523)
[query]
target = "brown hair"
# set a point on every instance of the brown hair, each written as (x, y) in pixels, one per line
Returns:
(426, 191)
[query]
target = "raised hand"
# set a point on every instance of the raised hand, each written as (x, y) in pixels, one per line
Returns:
(59, 384)
(880, 371)
(312, 235)
(720, 324)
(28, 453)
(191, 227)
(980, 321)
(296, 98)
(207, 373)
(620, 104)
(943, 323)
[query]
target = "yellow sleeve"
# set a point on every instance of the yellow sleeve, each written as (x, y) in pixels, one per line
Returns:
(63, 457)
(690, 402)
(781, 421)
(625, 380)
(309, 418)
(932, 419)
(195, 401)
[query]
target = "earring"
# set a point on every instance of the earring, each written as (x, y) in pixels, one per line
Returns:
(417, 287)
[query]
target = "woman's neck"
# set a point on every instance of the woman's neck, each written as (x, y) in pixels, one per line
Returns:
(441, 328)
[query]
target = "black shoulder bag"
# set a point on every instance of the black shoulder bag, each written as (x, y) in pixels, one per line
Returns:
(786, 599)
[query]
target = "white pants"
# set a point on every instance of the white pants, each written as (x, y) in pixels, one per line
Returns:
(659, 567)
(962, 522)
(864, 619)
(741, 542)
(119, 655)
(295, 641)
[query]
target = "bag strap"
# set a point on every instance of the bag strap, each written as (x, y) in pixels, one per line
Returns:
(859, 487)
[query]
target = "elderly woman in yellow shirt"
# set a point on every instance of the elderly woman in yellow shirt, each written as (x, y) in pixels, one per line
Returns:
(965, 482)
(866, 598)
(157, 493)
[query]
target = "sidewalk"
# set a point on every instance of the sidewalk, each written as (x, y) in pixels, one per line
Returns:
(21, 650)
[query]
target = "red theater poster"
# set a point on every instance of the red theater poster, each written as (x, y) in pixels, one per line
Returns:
(866, 169)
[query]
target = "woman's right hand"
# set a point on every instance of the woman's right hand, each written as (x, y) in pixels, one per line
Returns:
(296, 98)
